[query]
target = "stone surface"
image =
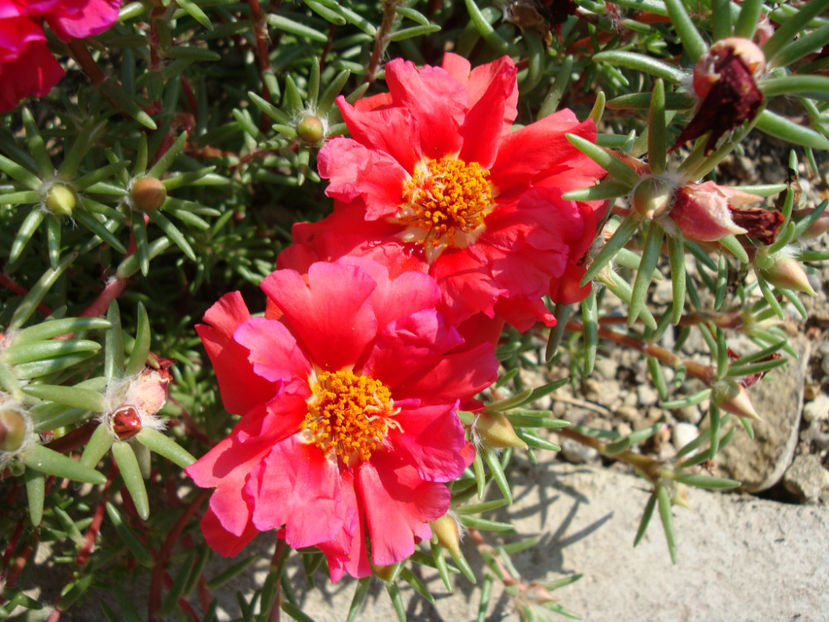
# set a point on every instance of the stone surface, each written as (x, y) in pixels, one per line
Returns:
(806, 478)
(739, 559)
(761, 462)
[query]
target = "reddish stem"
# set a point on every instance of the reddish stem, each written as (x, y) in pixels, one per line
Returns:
(95, 526)
(21, 291)
(114, 287)
(81, 54)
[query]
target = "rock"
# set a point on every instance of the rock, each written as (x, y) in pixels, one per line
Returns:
(778, 398)
(817, 409)
(647, 394)
(684, 433)
(629, 413)
(691, 414)
(576, 453)
(806, 478)
(606, 367)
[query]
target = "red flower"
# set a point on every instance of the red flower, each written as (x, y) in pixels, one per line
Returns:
(26, 65)
(348, 402)
(434, 176)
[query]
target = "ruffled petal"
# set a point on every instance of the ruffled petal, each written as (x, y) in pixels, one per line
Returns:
(389, 130)
(483, 128)
(398, 507)
(539, 150)
(436, 101)
(95, 17)
(296, 486)
(221, 540)
(227, 465)
(240, 386)
(396, 298)
(410, 346)
(466, 284)
(356, 172)
(433, 438)
(274, 353)
(346, 552)
(457, 376)
(328, 314)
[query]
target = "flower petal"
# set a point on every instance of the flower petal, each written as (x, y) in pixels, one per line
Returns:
(274, 353)
(398, 507)
(436, 101)
(223, 541)
(328, 314)
(240, 386)
(433, 437)
(296, 486)
(541, 149)
(356, 172)
(95, 17)
(410, 346)
(484, 127)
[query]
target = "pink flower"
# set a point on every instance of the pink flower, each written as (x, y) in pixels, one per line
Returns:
(26, 65)
(348, 401)
(434, 175)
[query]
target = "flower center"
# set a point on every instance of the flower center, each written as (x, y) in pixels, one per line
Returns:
(349, 415)
(445, 204)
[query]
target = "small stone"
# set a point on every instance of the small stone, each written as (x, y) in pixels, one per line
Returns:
(684, 433)
(817, 409)
(624, 429)
(806, 478)
(629, 413)
(653, 414)
(648, 396)
(606, 368)
(810, 392)
(576, 453)
(691, 414)
(591, 389)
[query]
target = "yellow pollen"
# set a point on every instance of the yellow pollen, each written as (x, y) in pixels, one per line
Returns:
(445, 204)
(349, 415)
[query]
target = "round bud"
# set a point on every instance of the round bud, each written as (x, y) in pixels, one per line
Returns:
(652, 197)
(310, 129)
(148, 194)
(12, 430)
(126, 423)
(60, 200)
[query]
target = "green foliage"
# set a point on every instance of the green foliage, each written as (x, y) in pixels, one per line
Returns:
(168, 168)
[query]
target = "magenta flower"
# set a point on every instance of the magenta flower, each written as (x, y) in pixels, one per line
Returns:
(27, 67)
(434, 175)
(348, 390)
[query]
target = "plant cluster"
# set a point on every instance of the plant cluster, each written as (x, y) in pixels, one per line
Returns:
(434, 197)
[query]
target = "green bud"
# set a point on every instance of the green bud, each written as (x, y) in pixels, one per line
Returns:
(12, 430)
(651, 197)
(310, 129)
(60, 200)
(445, 529)
(495, 430)
(148, 194)
(784, 272)
(733, 398)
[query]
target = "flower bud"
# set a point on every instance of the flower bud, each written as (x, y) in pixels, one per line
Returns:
(495, 430)
(386, 573)
(310, 129)
(701, 213)
(60, 200)
(724, 82)
(652, 196)
(126, 422)
(732, 397)
(784, 272)
(445, 529)
(148, 194)
(12, 430)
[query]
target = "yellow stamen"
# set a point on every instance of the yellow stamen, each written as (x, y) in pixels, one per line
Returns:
(445, 204)
(348, 415)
